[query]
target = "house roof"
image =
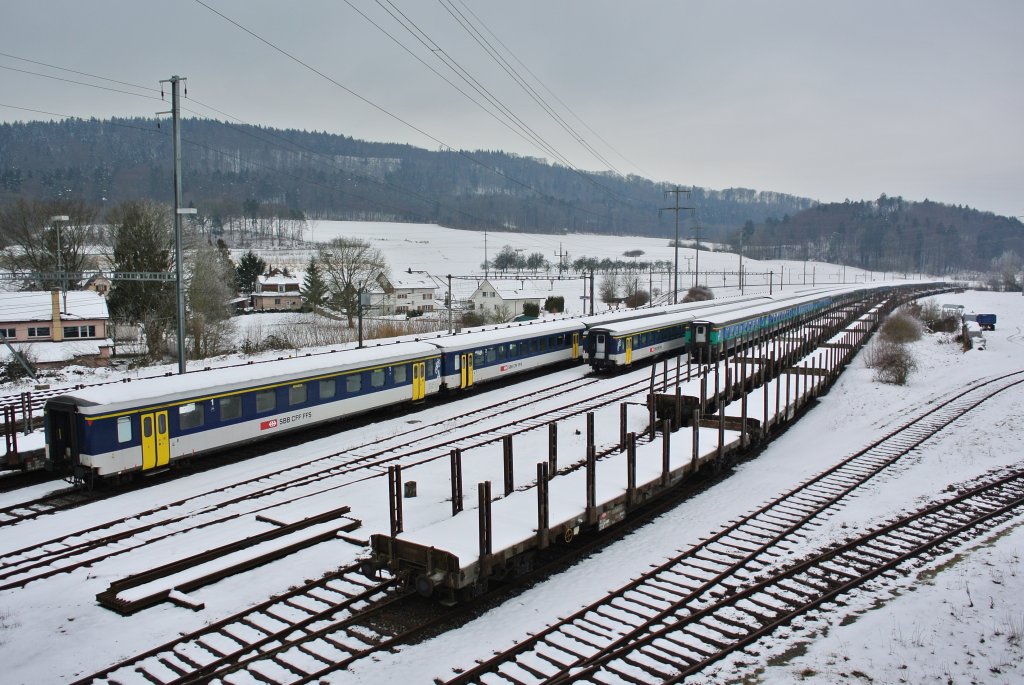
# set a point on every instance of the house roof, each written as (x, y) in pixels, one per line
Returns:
(413, 282)
(53, 352)
(279, 280)
(36, 305)
(513, 289)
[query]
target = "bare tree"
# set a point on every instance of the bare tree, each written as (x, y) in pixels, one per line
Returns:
(36, 243)
(608, 291)
(349, 267)
(209, 291)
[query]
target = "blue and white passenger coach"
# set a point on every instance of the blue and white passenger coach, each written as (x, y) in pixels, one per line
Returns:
(480, 356)
(146, 424)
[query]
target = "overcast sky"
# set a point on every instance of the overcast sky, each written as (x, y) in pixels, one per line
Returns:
(825, 99)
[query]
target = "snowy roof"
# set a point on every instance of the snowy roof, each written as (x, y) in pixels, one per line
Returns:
(115, 396)
(499, 334)
(521, 289)
(50, 352)
(413, 281)
(278, 280)
(36, 305)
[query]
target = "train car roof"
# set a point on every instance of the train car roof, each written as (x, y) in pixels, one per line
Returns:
(743, 313)
(680, 316)
(494, 336)
(115, 396)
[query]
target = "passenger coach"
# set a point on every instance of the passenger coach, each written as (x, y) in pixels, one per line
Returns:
(481, 356)
(146, 424)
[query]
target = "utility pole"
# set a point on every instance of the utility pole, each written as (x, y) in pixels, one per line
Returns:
(561, 254)
(175, 113)
(677, 191)
(487, 263)
(450, 303)
(60, 260)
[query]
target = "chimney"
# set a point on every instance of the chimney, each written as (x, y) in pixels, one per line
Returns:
(57, 324)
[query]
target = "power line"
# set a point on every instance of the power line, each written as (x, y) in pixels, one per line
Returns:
(546, 88)
(440, 53)
(454, 65)
(493, 53)
(461, 153)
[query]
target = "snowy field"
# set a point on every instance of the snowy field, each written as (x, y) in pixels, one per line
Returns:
(441, 251)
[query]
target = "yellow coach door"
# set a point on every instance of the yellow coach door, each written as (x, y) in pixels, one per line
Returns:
(466, 365)
(156, 444)
(629, 350)
(419, 380)
(575, 345)
(163, 440)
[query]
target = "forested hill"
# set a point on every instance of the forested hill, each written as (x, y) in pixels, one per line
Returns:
(231, 170)
(892, 234)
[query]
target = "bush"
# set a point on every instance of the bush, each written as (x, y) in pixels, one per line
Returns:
(637, 299)
(699, 293)
(554, 305)
(12, 370)
(472, 319)
(893, 362)
(531, 309)
(900, 327)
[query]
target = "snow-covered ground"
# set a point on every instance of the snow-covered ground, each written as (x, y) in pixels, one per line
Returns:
(962, 623)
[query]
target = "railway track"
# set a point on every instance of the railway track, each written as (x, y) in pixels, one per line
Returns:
(669, 649)
(315, 641)
(297, 482)
(335, 612)
(282, 487)
(70, 497)
(724, 564)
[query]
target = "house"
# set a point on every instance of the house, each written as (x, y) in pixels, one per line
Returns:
(98, 283)
(405, 292)
(277, 292)
(53, 329)
(493, 295)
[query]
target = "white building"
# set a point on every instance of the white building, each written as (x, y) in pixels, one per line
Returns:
(493, 295)
(405, 292)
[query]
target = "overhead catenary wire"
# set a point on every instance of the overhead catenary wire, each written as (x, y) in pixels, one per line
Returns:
(549, 91)
(474, 83)
(481, 40)
(383, 110)
(369, 179)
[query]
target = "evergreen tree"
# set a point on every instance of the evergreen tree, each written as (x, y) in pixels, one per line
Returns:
(314, 287)
(139, 236)
(250, 267)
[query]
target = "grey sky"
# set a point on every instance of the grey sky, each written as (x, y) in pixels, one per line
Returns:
(830, 100)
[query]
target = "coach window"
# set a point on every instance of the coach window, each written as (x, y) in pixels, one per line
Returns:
(492, 356)
(478, 357)
(401, 372)
(297, 394)
(560, 340)
(377, 378)
(533, 346)
(266, 400)
(327, 388)
(513, 349)
(353, 383)
(543, 344)
(190, 416)
(230, 407)
(502, 353)
(124, 428)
